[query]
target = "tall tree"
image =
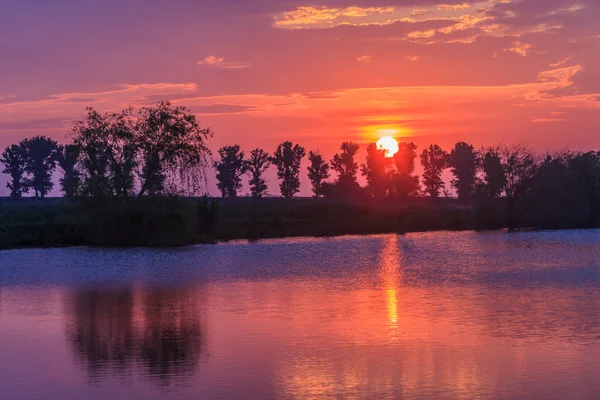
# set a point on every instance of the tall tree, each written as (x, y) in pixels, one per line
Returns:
(287, 159)
(434, 161)
(152, 172)
(172, 138)
(318, 172)
(344, 163)
(519, 168)
(493, 173)
(67, 157)
(13, 159)
(40, 163)
(108, 153)
(230, 169)
(164, 140)
(405, 184)
(257, 164)
(375, 169)
(464, 162)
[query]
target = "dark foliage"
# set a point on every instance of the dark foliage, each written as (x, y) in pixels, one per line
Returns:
(318, 173)
(230, 169)
(434, 161)
(14, 158)
(40, 162)
(287, 159)
(256, 165)
(464, 162)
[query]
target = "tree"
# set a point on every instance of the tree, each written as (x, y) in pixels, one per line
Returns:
(166, 141)
(405, 184)
(172, 138)
(464, 162)
(230, 169)
(434, 161)
(257, 164)
(519, 168)
(344, 163)
(287, 159)
(13, 159)
(67, 158)
(584, 184)
(154, 175)
(375, 169)
(493, 173)
(318, 172)
(40, 163)
(108, 153)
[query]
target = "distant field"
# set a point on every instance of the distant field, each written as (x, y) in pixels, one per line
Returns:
(180, 221)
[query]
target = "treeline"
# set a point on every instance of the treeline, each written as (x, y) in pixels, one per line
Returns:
(162, 151)
(159, 150)
(551, 191)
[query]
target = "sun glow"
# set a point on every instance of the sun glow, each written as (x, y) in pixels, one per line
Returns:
(389, 144)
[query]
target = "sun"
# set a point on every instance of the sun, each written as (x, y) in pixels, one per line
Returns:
(389, 144)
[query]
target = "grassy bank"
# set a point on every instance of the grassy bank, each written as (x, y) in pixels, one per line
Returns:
(180, 221)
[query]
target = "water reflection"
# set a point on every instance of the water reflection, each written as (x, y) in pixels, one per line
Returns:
(434, 315)
(156, 330)
(390, 272)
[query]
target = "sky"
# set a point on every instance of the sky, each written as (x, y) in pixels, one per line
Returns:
(316, 72)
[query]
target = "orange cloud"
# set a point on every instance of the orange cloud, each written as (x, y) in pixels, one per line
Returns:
(367, 59)
(523, 49)
(220, 62)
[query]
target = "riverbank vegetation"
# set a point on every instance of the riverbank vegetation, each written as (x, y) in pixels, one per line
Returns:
(130, 179)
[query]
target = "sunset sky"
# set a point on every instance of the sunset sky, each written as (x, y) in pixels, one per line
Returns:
(315, 72)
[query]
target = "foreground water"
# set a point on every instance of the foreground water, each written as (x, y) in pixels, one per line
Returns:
(437, 315)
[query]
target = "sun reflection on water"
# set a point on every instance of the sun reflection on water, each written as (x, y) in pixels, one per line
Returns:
(390, 274)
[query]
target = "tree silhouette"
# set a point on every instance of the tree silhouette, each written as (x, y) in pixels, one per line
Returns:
(318, 172)
(287, 159)
(13, 159)
(345, 165)
(230, 169)
(493, 173)
(464, 162)
(165, 140)
(67, 158)
(257, 164)
(375, 169)
(434, 161)
(152, 172)
(172, 138)
(405, 184)
(108, 153)
(519, 168)
(40, 162)
(585, 180)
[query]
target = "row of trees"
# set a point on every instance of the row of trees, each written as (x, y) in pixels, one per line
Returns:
(163, 150)
(386, 176)
(159, 150)
(555, 190)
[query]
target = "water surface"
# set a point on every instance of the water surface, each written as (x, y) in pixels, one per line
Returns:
(436, 315)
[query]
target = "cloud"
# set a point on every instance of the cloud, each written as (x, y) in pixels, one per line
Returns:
(561, 76)
(324, 17)
(219, 109)
(413, 58)
(541, 120)
(219, 62)
(452, 7)
(561, 62)
(366, 59)
(522, 49)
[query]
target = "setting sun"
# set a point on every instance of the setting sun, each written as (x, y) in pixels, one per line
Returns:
(389, 144)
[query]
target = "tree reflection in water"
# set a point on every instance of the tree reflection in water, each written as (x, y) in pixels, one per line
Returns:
(152, 331)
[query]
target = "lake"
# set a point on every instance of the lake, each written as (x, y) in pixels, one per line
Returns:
(430, 315)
